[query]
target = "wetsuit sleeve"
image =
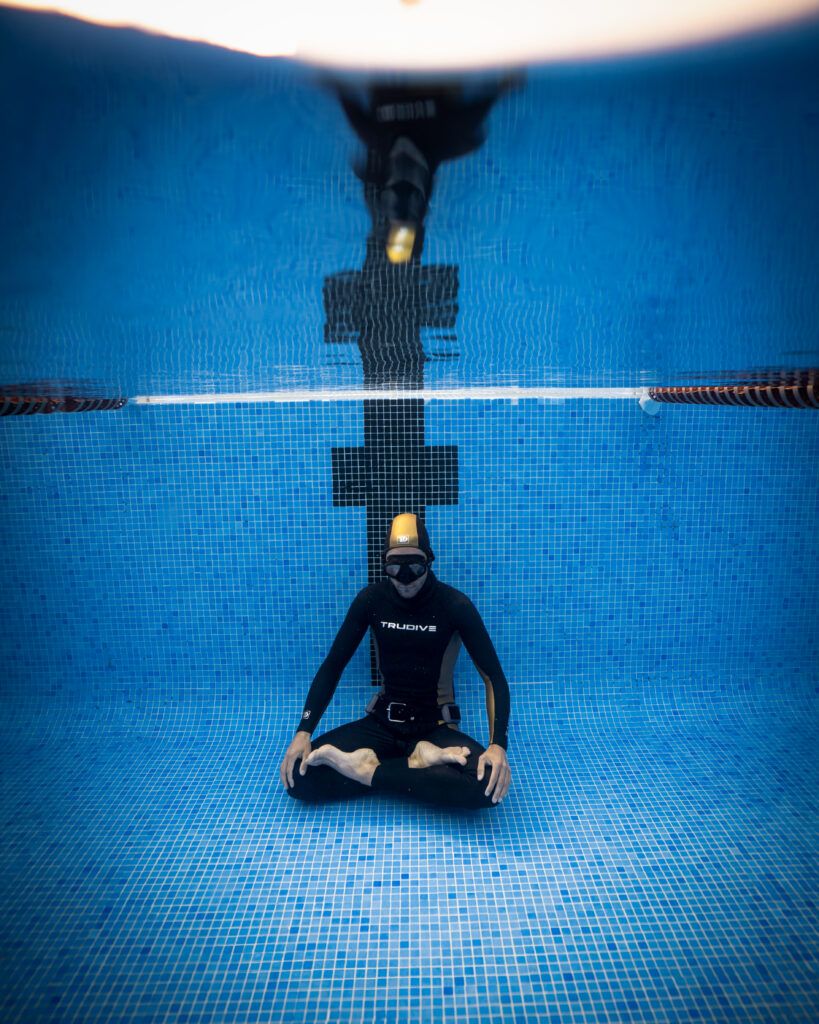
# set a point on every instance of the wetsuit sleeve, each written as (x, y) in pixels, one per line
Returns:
(482, 651)
(326, 679)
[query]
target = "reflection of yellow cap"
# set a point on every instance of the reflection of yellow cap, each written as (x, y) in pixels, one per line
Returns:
(400, 242)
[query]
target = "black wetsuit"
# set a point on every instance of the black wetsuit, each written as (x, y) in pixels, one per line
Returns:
(417, 642)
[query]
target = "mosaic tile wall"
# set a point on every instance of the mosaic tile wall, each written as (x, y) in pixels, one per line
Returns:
(154, 870)
(647, 582)
(619, 559)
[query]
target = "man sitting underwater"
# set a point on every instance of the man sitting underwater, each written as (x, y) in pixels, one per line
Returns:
(408, 742)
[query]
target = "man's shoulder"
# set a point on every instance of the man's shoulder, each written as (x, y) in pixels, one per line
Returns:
(372, 592)
(455, 599)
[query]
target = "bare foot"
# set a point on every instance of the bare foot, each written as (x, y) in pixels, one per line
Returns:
(427, 754)
(359, 765)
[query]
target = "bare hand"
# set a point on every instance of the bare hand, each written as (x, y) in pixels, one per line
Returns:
(500, 774)
(299, 748)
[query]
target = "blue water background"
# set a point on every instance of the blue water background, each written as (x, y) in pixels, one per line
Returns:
(174, 575)
(172, 210)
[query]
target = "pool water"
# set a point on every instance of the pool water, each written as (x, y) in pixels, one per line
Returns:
(177, 219)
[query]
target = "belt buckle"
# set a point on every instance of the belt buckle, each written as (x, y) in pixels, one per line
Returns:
(396, 704)
(448, 716)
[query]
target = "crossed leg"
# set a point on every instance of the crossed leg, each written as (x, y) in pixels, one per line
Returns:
(451, 780)
(360, 765)
(364, 756)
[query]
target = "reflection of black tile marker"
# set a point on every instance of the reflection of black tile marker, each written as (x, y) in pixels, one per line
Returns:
(383, 309)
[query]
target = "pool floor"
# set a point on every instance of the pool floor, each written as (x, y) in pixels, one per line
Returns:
(153, 869)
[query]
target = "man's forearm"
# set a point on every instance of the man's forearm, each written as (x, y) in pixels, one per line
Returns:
(326, 679)
(482, 652)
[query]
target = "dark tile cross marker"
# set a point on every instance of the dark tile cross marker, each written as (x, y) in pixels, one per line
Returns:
(383, 308)
(394, 472)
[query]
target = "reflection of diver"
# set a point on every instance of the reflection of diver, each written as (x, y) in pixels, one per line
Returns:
(408, 132)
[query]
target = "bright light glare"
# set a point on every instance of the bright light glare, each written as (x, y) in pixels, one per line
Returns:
(438, 33)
